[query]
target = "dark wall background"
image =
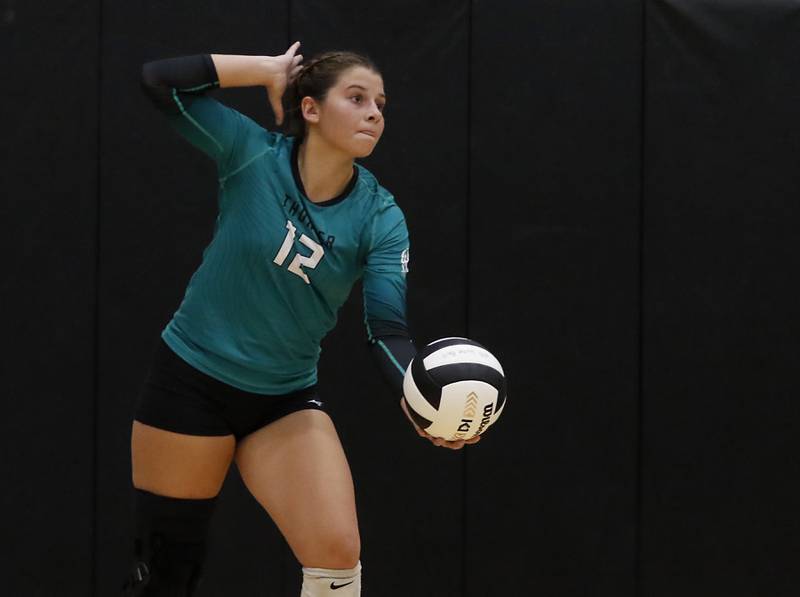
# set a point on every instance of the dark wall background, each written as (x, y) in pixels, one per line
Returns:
(720, 447)
(604, 194)
(48, 242)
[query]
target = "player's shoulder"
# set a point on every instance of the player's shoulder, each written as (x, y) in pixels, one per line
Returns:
(253, 136)
(373, 195)
(261, 138)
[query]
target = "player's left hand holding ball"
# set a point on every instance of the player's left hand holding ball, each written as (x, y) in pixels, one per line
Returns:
(453, 391)
(438, 441)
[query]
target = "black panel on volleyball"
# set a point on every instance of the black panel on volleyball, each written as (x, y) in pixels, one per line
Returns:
(158, 214)
(49, 152)
(721, 261)
(553, 232)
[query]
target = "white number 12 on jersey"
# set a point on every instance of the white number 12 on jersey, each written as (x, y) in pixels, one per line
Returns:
(299, 261)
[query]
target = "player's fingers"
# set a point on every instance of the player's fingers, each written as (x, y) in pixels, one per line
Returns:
(473, 440)
(297, 60)
(292, 49)
(443, 443)
(275, 102)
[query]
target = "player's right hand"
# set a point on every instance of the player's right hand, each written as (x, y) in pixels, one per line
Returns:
(437, 441)
(280, 72)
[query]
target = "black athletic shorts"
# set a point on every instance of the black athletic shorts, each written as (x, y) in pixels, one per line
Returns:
(177, 397)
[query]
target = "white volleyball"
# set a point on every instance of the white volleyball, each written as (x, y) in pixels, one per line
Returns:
(455, 388)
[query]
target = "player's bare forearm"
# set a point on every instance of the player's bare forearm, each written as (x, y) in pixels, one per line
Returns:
(242, 71)
(272, 72)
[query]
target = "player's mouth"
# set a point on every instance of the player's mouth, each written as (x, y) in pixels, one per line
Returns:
(370, 133)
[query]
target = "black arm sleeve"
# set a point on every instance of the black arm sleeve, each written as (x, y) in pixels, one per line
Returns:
(186, 76)
(393, 354)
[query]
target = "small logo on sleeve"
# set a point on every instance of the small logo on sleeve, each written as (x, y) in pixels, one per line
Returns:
(404, 259)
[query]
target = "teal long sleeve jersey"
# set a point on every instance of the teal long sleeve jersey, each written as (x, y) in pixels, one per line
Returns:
(279, 266)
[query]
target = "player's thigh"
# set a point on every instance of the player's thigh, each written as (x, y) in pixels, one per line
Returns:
(297, 470)
(179, 465)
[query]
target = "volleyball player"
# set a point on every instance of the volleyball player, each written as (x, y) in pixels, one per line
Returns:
(234, 374)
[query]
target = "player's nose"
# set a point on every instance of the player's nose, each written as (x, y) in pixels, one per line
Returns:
(374, 113)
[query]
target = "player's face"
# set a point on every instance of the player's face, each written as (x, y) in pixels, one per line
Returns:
(351, 117)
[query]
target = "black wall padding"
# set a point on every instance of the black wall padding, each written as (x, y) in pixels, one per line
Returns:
(721, 259)
(47, 210)
(554, 234)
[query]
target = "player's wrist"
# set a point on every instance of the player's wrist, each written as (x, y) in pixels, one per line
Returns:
(269, 70)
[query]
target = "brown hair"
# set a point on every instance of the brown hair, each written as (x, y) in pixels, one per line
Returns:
(315, 80)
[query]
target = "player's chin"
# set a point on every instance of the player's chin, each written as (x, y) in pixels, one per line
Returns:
(364, 146)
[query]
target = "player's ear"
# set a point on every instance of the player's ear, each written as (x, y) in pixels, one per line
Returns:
(309, 109)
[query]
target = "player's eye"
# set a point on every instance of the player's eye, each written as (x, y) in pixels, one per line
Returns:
(381, 107)
(357, 98)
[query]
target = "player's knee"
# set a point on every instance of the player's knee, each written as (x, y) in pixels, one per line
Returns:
(339, 550)
(170, 545)
(345, 550)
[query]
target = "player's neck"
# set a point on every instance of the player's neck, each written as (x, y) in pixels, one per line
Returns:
(325, 171)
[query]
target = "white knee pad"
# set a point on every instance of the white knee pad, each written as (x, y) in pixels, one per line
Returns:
(321, 582)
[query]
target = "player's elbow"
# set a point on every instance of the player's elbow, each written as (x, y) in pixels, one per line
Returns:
(149, 79)
(155, 89)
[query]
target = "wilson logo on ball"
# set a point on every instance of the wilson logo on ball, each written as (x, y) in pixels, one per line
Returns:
(487, 418)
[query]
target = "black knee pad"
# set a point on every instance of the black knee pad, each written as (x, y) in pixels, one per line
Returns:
(169, 546)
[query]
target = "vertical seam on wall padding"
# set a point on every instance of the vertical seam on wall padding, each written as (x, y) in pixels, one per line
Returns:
(468, 249)
(467, 283)
(638, 522)
(96, 306)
